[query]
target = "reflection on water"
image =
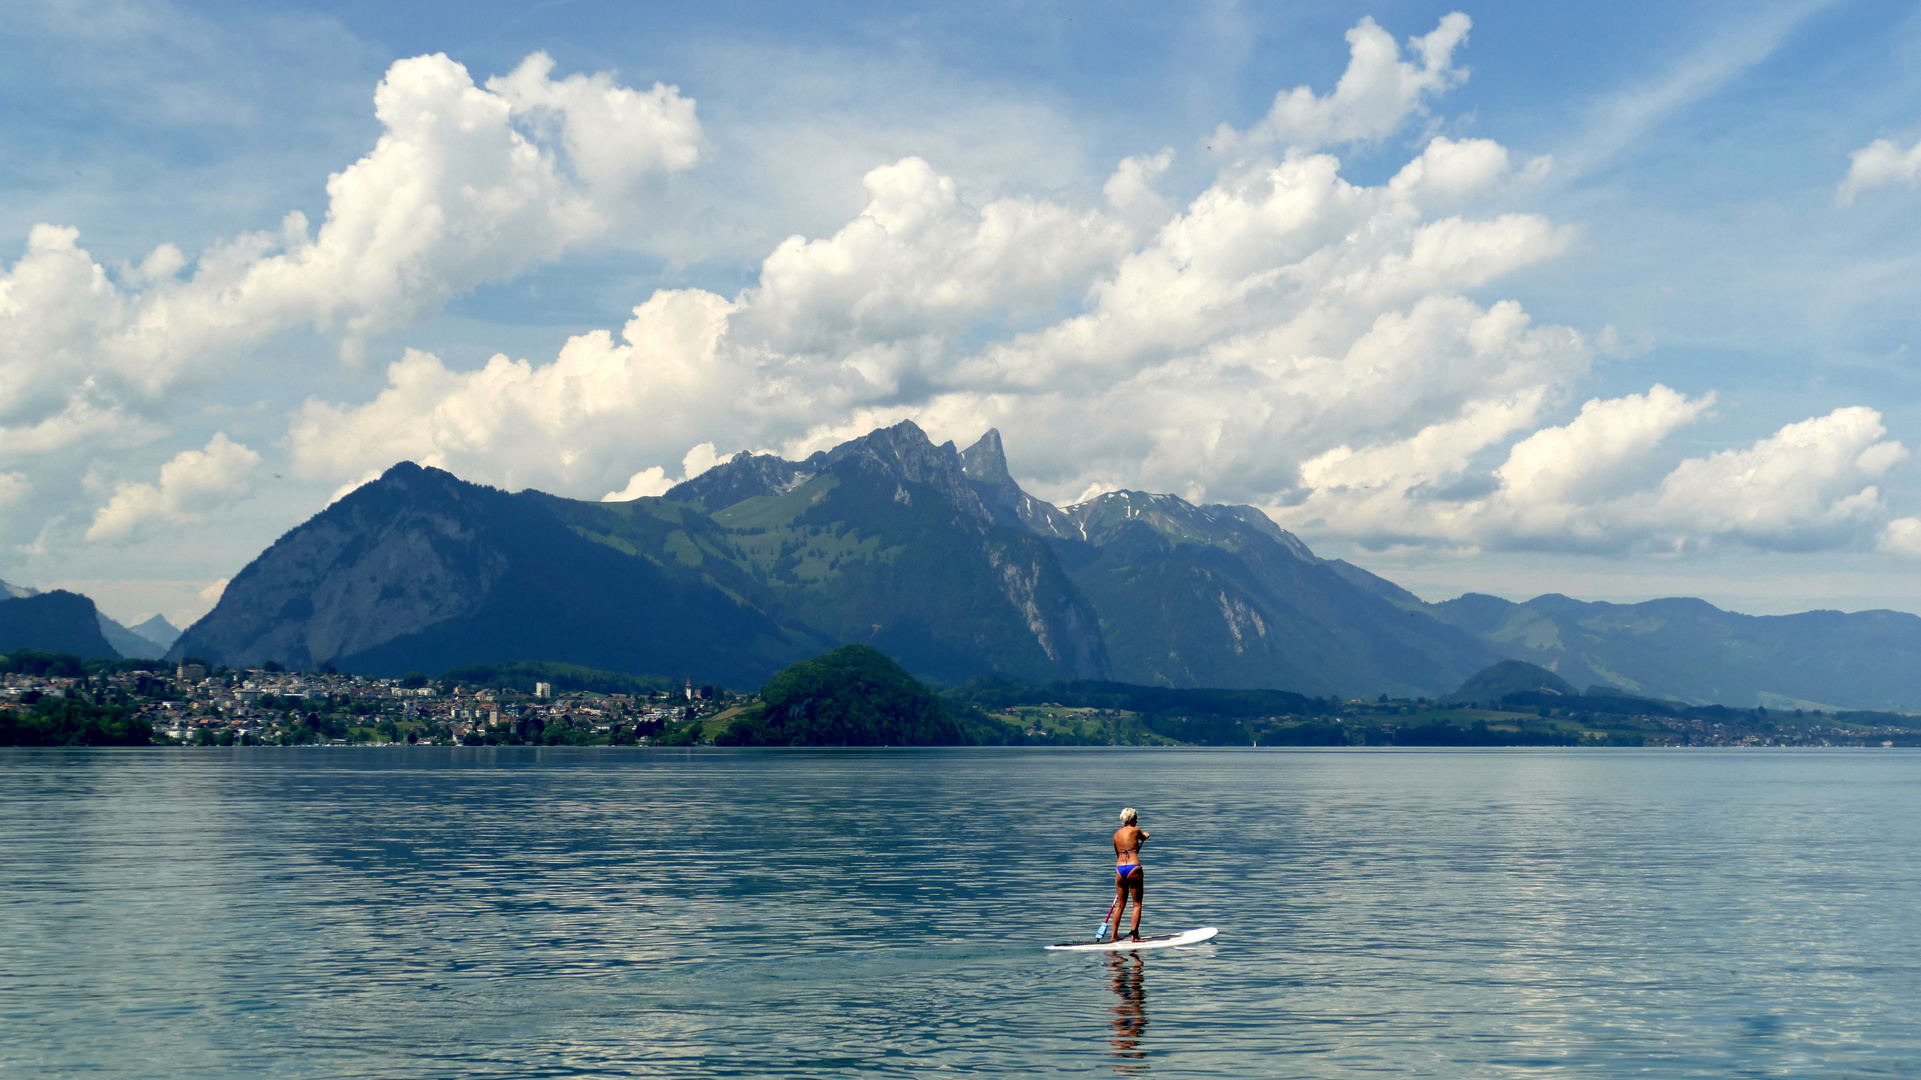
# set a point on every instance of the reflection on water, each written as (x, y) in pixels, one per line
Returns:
(1130, 1015)
(459, 914)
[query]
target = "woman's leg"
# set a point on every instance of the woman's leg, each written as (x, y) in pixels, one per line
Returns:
(1139, 886)
(1120, 906)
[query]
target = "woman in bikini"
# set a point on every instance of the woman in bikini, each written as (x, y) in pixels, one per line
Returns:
(1127, 870)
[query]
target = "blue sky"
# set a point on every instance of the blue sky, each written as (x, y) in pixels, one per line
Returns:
(1650, 221)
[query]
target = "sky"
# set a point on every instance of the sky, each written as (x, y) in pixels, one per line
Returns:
(1618, 302)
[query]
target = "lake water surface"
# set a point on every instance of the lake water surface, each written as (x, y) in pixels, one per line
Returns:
(521, 912)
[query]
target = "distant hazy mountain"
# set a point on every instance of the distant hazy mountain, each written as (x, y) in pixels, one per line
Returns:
(57, 621)
(159, 631)
(1690, 650)
(128, 643)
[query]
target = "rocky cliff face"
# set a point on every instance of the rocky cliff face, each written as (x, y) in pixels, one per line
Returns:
(887, 543)
(985, 464)
(743, 476)
(1220, 596)
(408, 551)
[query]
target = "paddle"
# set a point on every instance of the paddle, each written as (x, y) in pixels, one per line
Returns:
(1107, 918)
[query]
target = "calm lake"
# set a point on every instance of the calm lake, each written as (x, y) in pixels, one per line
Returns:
(523, 912)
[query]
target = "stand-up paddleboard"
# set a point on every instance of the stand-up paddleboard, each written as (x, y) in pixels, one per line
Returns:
(1160, 941)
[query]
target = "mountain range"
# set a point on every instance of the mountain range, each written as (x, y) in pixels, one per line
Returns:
(928, 553)
(936, 556)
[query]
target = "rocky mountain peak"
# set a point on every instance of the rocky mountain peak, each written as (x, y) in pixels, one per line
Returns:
(744, 476)
(985, 462)
(904, 452)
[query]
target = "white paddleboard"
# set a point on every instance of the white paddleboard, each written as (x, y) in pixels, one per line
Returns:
(1161, 941)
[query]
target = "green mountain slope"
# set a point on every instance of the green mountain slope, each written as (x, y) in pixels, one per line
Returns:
(883, 541)
(1219, 596)
(880, 541)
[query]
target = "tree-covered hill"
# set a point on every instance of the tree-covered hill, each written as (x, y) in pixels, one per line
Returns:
(1496, 683)
(852, 696)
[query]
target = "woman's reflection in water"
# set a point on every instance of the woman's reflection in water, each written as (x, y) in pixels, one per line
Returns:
(1130, 1016)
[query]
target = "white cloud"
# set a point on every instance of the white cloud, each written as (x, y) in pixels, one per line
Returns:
(1377, 93)
(13, 486)
(1902, 537)
(212, 593)
(1794, 489)
(194, 482)
(1590, 458)
(353, 485)
(1598, 483)
(614, 136)
(1450, 172)
(654, 480)
(1879, 164)
(1130, 191)
(917, 260)
(573, 424)
(459, 190)
(1287, 337)
(649, 481)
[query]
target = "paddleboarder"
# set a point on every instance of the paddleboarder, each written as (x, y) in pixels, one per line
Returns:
(1127, 870)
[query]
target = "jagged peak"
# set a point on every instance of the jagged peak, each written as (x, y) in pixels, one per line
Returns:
(903, 444)
(985, 462)
(743, 476)
(1174, 516)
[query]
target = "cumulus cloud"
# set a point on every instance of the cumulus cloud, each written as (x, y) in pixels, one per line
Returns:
(463, 187)
(1283, 308)
(193, 483)
(1287, 337)
(1377, 93)
(614, 136)
(1902, 537)
(832, 324)
(1794, 489)
(1879, 164)
(1598, 483)
(653, 479)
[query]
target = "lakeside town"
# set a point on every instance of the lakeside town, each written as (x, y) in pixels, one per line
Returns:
(191, 705)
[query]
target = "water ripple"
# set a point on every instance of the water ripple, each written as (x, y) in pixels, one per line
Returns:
(522, 912)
